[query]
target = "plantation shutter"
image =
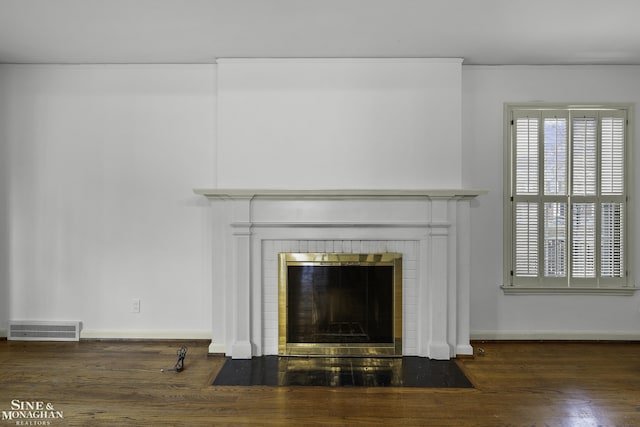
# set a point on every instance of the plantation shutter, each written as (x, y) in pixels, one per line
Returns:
(555, 232)
(613, 197)
(584, 173)
(568, 198)
(526, 202)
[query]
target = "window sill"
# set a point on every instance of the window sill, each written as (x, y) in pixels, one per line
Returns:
(521, 290)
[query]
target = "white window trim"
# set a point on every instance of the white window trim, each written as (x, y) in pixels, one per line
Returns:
(509, 287)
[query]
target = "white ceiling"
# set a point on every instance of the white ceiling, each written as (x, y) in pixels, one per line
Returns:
(199, 31)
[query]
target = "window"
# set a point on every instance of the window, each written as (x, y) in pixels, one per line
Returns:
(567, 210)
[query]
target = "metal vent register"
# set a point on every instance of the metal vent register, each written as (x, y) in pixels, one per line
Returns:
(44, 331)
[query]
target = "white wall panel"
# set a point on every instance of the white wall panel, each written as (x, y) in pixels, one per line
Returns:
(349, 123)
(493, 314)
(102, 162)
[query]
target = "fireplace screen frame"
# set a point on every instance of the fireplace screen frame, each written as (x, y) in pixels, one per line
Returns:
(370, 349)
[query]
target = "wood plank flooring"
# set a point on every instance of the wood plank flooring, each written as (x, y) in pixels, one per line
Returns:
(100, 383)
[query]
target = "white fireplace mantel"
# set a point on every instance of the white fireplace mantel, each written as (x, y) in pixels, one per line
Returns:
(430, 227)
(240, 193)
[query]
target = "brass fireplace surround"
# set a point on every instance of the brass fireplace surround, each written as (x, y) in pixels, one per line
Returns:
(390, 347)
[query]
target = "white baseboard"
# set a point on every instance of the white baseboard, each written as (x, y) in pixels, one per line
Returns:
(464, 350)
(151, 334)
(215, 348)
(555, 335)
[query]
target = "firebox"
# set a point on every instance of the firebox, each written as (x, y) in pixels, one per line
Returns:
(340, 304)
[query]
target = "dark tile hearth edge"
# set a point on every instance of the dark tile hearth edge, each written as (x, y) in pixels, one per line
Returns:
(407, 371)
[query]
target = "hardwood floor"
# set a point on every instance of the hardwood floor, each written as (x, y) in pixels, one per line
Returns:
(99, 383)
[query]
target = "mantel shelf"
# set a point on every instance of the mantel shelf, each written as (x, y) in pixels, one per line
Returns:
(247, 193)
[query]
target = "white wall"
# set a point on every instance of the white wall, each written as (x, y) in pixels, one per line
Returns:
(102, 161)
(97, 164)
(485, 89)
(341, 123)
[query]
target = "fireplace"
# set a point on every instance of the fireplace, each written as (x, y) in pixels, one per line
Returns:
(429, 228)
(340, 304)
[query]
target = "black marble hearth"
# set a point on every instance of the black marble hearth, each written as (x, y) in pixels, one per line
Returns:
(345, 371)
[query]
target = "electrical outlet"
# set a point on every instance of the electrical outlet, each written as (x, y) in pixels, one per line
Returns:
(135, 305)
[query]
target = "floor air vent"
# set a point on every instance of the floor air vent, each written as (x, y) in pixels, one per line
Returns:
(43, 331)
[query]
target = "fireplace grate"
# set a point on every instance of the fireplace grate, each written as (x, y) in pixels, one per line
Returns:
(352, 330)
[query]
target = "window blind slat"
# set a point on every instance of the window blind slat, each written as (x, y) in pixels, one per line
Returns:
(526, 156)
(555, 156)
(526, 239)
(612, 156)
(584, 169)
(555, 239)
(583, 247)
(612, 240)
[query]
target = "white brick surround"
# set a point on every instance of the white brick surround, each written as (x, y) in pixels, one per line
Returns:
(429, 228)
(271, 248)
